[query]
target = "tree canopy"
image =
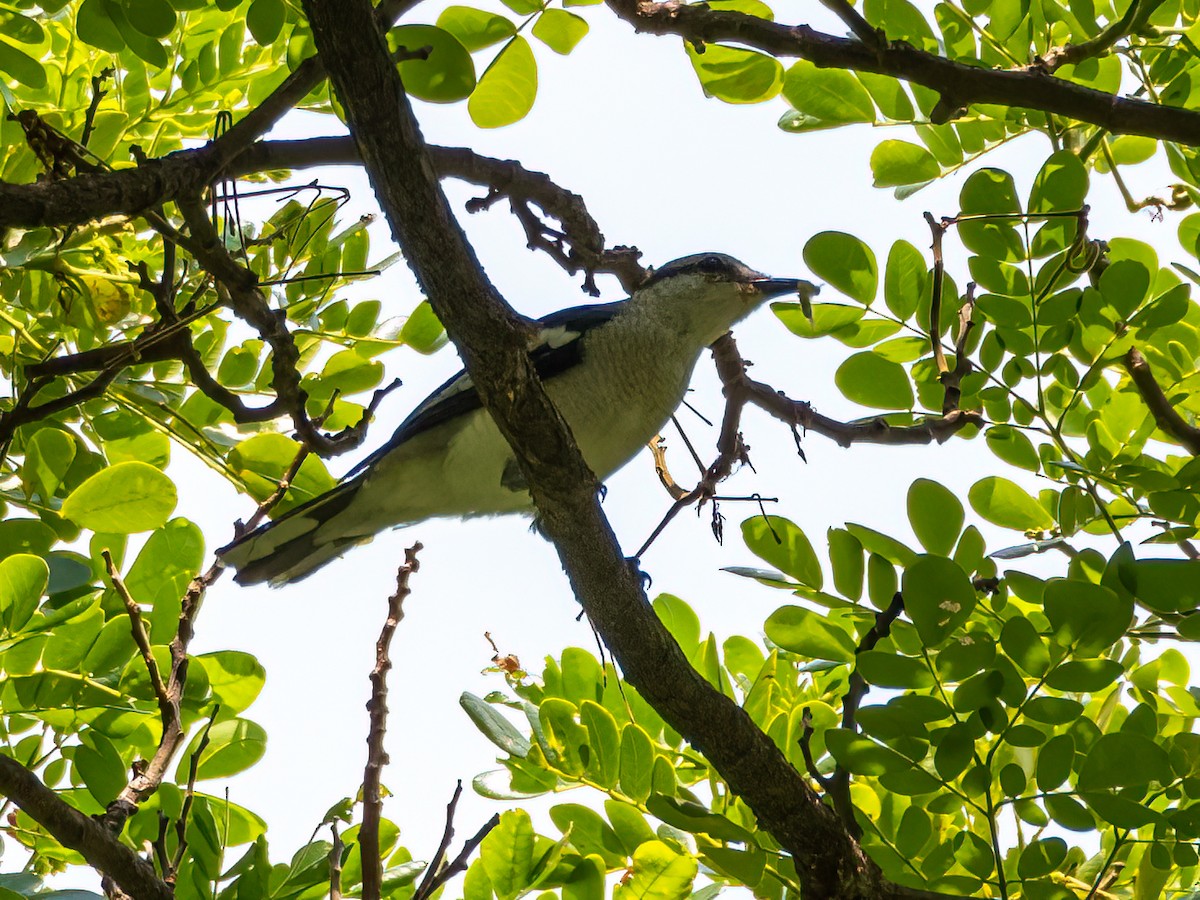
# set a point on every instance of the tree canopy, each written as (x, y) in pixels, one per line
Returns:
(922, 717)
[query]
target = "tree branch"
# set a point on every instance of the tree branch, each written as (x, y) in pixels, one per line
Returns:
(876, 430)
(492, 342)
(958, 84)
(73, 829)
(377, 758)
(1168, 418)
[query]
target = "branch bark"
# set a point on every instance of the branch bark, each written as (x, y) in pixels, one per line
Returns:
(1168, 418)
(958, 84)
(492, 342)
(71, 828)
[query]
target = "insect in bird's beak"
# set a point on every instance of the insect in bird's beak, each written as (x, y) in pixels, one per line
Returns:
(777, 287)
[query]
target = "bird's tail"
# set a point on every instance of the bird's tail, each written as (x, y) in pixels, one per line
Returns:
(296, 544)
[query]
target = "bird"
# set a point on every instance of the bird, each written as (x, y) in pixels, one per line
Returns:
(615, 371)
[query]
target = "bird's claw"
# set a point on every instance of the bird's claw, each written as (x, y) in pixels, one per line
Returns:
(643, 577)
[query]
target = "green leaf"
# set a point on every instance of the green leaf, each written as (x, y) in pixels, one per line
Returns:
(604, 741)
(1060, 186)
(1025, 646)
(98, 764)
(507, 854)
(94, 26)
(1084, 675)
(262, 462)
(680, 620)
(735, 75)
(563, 740)
(846, 560)
(785, 546)
(1123, 759)
(21, 66)
(1164, 585)
(153, 18)
(475, 28)
(870, 380)
(422, 330)
(264, 19)
(938, 597)
(809, 634)
(21, 28)
(25, 536)
(1006, 504)
(167, 562)
(560, 30)
(863, 756)
(658, 873)
(236, 678)
(827, 318)
(1086, 617)
(845, 262)
(48, 457)
(123, 499)
(589, 833)
(936, 515)
(637, 762)
(886, 669)
(495, 727)
(507, 89)
(826, 98)
(895, 163)
(23, 581)
(904, 278)
(1013, 447)
(448, 75)
(234, 745)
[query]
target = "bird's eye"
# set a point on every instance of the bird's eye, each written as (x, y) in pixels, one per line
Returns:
(710, 264)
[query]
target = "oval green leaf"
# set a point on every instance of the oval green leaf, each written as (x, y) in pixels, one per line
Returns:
(123, 499)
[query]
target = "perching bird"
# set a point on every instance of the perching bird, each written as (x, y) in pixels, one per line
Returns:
(616, 372)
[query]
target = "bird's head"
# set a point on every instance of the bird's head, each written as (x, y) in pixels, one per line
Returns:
(706, 293)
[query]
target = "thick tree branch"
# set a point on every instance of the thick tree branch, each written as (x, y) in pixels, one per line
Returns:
(492, 342)
(71, 828)
(957, 83)
(1168, 418)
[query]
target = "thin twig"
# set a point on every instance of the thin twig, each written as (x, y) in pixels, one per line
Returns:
(166, 708)
(377, 758)
(188, 798)
(460, 862)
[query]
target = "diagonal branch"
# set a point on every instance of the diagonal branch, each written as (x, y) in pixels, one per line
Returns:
(492, 342)
(1168, 418)
(71, 828)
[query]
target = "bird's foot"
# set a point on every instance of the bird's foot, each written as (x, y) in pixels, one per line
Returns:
(643, 577)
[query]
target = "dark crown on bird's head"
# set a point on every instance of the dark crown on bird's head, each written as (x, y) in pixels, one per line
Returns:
(713, 266)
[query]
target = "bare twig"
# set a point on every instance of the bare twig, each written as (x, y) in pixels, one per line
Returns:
(838, 784)
(98, 94)
(1132, 21)
(1168, 418)
(852, 18)
(377, 758)
(458, 864)
(141, 638)
(189, 797)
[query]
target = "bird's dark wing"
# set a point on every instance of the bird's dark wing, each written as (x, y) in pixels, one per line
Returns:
(558, 349)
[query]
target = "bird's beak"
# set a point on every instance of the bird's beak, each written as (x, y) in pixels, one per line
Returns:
(774, 287)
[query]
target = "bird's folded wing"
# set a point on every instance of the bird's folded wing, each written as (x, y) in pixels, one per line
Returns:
(557, 348)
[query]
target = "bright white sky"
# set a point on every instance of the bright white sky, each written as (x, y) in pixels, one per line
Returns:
(624, 123)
